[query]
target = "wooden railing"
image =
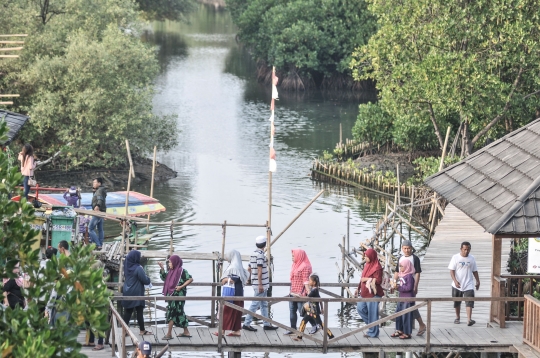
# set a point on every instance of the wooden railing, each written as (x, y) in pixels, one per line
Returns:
(420, 302)
(510, 286)
(531, 322)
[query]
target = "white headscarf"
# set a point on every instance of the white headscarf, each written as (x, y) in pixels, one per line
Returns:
(235, 266)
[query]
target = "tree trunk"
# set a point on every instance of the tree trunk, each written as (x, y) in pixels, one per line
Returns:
(435, 126)
(467, 142)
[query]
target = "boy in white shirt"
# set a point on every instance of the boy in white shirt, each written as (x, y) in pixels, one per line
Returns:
(462, 269)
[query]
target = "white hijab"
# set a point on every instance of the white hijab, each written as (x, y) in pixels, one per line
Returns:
(235, 266)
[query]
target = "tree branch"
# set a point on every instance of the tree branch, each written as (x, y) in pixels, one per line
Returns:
(531, 94)
(506, 107)
(437, 132)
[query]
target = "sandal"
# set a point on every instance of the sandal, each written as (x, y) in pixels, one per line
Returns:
(98, 348)
(184, 335)
(396, 334)
(147, 333)
(405, 336)
(89, 345)
(167, 337)
(456, 321)
(421, 331)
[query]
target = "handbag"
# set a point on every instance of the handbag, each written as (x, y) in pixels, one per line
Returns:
(32, 181)
(228, 289)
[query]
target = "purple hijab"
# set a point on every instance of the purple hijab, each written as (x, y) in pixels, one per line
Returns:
(173, 276)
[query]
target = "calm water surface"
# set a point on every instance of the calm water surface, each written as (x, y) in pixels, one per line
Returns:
(207, 79)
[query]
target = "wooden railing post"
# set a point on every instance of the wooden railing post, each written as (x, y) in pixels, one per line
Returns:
(123, 353)
(213, 308)
(113, 336)
(325, 328)
(502, 305)
(428, 328)
(220, 328)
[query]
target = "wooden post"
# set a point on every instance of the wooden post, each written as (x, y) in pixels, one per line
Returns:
(348, 230)
(269, 228)
(113, 336)
(343, 268)
(213, 308)
(223, 230)
(171, 247)
(152, 183)
(495, 273)
(397, 178)
(428, 328)
(123, 353)
(340, 134)
(325, 328)
(122, 252)
(220, 328)
(433, 212)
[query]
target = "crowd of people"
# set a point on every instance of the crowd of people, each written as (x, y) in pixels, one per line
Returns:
(304, 284)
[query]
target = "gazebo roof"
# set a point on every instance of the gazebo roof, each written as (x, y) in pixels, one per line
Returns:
(499, 185)
(15, 121)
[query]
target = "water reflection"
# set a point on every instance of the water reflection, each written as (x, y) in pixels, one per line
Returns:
(222, 162)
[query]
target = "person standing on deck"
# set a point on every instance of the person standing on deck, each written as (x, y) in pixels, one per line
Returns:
(258, 270)
(370, 287)
(176, 281)
(407, 249)
(237, 275)
(462, 269)
(28, 164)
(300, 272)
(135, 279)
(99, 203)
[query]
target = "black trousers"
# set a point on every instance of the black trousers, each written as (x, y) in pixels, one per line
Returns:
(140, 318)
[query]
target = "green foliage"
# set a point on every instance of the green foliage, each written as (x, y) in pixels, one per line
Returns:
(474, 61)
(373, 125)
(312, 37)
(161, 10)
(427, 166)
(26, 333)
(85, 78)
(327, 156)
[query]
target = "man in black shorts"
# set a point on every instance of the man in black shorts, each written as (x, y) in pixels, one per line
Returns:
(462, 269)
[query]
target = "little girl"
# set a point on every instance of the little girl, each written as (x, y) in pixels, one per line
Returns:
(314, 314)
(405, 286)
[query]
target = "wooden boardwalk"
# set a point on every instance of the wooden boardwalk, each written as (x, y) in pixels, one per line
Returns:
(435, 281)
(451, 338)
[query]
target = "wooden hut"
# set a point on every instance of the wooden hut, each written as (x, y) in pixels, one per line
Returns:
(499, 188)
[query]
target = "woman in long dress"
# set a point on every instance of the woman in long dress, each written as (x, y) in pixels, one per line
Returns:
(370, 287)
(176, 281)
(232, 318)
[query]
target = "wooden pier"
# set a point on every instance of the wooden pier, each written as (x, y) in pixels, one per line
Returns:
(435, 281)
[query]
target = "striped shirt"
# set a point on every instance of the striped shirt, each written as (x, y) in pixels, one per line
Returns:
(258, 259)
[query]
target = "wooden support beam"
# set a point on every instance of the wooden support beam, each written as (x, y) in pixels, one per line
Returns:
(9, 56)
(11, 42)
(10, 102)
(9, 95)
(14, 35)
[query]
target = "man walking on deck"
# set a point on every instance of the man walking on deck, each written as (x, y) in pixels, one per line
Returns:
(462, 269)
(258, 271)
(98, 204)
(407, 249)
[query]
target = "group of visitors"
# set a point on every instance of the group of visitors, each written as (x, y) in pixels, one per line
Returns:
(462, 268)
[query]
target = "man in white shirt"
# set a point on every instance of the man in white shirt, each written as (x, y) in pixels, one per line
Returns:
(462, 269)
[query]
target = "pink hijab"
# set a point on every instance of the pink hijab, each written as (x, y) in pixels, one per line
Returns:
(18, 280)
(301, 261)
(407, 265)
(173, 276)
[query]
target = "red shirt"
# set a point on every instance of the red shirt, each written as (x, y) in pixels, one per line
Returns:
(364, 292)
(298, 280)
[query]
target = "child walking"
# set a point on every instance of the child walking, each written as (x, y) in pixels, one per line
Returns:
(405, 286)
(313, 315)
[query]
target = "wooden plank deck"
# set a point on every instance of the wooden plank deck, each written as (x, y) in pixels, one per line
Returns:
(454, 228)
(472, 339)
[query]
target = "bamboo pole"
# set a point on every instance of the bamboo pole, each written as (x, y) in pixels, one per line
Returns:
(295, 218)
(9, 95)
(9, 56)
(11, 42)
(152, 183)
(10, 49)
(397, 177)
(441, 166)
(14, 35)
(224, 231)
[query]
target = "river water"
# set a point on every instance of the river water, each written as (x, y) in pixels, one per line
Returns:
(207, 80)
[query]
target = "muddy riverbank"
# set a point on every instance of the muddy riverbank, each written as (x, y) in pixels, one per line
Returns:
(116, 178)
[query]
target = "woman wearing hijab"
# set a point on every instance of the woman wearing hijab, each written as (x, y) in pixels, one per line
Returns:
(232, 318)
(13, 289)
(405, 286)
(135, 279)
(372, 273)
(176, 280)
(300, 271)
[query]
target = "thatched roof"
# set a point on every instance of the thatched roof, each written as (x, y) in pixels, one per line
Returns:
(499, 185)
